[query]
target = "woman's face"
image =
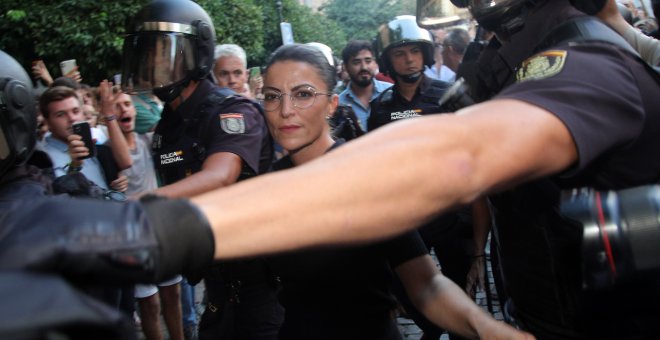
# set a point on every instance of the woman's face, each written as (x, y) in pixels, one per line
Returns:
(295, 128)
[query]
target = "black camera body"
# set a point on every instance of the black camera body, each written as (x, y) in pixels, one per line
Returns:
(621, 236)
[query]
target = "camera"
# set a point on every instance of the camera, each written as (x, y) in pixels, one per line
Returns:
(621, 232)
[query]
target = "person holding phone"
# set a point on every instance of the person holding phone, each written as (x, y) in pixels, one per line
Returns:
(62, 108)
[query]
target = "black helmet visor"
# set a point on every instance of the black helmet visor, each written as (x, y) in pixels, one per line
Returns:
(157, 58)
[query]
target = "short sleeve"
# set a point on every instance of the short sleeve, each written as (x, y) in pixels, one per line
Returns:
(239, 129)
(590, 89)
(404, 248)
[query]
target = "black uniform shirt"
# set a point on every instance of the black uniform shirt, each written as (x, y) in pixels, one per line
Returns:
(609, 103)
(392, 106)
(239, 129)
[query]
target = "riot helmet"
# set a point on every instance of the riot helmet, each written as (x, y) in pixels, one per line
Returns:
(18, 114)
(325, 49)
(403, 30)
(505, 17)
(168, 44)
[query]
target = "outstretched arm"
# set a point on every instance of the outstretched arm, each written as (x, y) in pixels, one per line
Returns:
(484, 148)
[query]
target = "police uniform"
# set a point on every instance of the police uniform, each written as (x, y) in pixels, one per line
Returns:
(242, 297)
(450, 234)
(185, 137)
(609, 101)
(390, 106)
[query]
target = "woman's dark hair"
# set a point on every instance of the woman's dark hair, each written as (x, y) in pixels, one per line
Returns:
(309, 55)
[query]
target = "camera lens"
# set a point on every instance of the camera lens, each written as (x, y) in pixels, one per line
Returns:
(621, 232)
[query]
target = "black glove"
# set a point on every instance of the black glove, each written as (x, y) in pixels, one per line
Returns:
(82, 239)
(89, 240)
(184, 235)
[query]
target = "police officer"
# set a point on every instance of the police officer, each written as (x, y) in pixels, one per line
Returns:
(607, 102)
(207, 138)
(404, 49)
(52, 249)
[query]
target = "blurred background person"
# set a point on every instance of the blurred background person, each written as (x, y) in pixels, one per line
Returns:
(230, 69)
(453, 49)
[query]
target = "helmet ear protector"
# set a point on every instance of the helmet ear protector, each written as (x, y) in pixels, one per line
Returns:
(205, 48)
(18, 122)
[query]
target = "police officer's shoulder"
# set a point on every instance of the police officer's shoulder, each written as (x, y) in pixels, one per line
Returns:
(222, 99)
(437, 88)
(384, 96)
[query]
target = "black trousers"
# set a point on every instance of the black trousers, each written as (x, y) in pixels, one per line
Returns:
(257, 315)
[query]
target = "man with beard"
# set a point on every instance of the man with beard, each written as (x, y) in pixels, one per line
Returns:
(361, 66)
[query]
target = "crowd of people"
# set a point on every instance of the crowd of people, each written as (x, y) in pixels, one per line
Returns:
(355, 150)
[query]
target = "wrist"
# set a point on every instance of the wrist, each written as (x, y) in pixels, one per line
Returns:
(74, 167)
(109, 118)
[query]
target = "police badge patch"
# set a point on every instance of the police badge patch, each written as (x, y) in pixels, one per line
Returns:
(232, 123)
(542, 65)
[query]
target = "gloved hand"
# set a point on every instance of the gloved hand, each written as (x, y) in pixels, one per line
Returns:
(184, 236)
(89, 240)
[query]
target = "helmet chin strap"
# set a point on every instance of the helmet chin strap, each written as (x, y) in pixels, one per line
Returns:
(409, 78)
(168, 94)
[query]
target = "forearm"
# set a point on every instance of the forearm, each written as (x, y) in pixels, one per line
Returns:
(334, 197)
(118, 145)
(647, 47)
(389, 181)
(196, 184)
(446, 305)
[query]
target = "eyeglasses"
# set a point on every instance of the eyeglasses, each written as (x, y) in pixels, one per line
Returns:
(301, 98)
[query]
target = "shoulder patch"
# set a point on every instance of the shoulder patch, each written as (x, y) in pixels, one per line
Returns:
(542, 65)
(232, 123)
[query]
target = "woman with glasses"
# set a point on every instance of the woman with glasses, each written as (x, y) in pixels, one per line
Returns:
(345, 293)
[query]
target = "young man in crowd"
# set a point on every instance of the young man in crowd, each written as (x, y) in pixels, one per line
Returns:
(62, 107)
(361, 66)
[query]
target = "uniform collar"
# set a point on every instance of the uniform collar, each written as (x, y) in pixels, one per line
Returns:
(189, 106)
(423, 86)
